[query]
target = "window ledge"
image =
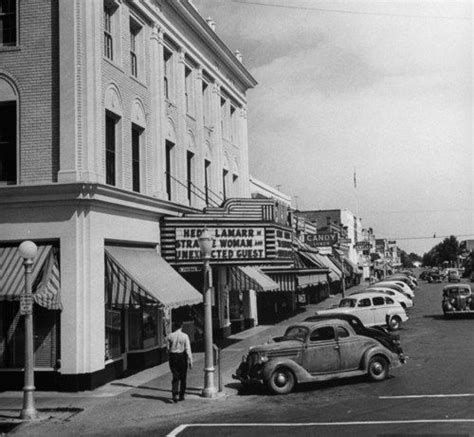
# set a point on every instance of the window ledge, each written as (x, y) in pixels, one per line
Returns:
(10, 48)
(139, 81)
(113, 64)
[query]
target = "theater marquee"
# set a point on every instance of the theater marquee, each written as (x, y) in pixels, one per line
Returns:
(244, 231)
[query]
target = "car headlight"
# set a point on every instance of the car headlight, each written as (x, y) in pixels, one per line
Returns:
(263, 358)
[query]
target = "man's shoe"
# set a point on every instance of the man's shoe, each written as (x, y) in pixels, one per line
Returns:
(181, 398)
(175, 399)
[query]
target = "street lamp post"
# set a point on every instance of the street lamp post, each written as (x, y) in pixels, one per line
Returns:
(28, 251)
(205, 244)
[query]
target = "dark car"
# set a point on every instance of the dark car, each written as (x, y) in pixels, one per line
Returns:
(454, 276)
(457, 299)
(313, 352)
(389, 340)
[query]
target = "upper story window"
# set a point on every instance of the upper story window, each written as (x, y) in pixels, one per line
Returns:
(206, 115)
(136, 47)
(8, 133)
(136, 170)
(189, 90)
(224, 117)
(109, 10)
(233, 124)
(8, 23)
(110, 149)
(167, 73)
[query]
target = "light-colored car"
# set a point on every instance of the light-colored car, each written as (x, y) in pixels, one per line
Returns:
(402, 278)
(373, 309)
(400, 286)
(404, 301)
(316, 351)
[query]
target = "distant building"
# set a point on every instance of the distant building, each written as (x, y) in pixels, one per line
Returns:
(342, 217)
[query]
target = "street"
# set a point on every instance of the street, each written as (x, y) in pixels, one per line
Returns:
(432, 393)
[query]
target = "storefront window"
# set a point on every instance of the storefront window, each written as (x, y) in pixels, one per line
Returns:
(144, 327)
(113, 334)
(150, 326)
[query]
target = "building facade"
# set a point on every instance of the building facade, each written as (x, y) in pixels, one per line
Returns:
(114, 114)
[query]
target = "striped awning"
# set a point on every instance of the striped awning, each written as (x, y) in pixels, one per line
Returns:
(311, 279)
(136, 276)
(334, 273)
(251, 278)
(45, 276)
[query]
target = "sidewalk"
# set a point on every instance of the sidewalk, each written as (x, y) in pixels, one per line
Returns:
(122, 397)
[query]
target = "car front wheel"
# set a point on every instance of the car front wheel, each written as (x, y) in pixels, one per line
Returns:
(282, 381)
(394, 323)
(378, 368)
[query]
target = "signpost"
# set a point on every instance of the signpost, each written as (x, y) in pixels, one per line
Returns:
(26, 304)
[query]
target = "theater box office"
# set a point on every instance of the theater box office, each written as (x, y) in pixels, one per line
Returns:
(248, 235)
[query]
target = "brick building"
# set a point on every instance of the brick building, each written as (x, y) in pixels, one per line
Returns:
(113, 114)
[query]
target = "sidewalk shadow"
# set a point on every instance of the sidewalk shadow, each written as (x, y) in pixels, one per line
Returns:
(189, 390)
(154, 398)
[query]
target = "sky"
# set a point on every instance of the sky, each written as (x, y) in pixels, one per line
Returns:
(379, 88)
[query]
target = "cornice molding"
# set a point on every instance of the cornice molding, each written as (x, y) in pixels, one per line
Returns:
(88, 193)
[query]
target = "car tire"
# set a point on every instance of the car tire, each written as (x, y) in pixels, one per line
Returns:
(378, 368)
(282, 381)
(394, 323)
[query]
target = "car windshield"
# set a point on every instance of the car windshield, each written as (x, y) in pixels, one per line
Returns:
(347, 303)
(452, 292)
(297, 332)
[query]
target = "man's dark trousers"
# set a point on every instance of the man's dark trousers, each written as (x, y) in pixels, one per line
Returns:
(179, 369)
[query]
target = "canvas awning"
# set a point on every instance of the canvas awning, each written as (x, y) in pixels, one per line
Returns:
(251, 278)
(311, 279)
(45, 276)
(334, 273)
(136, 276)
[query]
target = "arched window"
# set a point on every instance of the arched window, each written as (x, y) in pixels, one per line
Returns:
(138, 138)
(8, 132)
(113, 115)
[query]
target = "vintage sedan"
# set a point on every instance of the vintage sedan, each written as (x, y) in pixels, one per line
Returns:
(457, 299)
(316, 351)
(373, 309)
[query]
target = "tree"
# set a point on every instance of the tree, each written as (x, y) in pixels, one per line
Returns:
(446, 251)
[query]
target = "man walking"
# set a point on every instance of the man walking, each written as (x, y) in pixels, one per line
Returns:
(179, 348)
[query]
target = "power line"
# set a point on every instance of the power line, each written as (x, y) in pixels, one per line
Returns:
(345, 11)
(429, 238)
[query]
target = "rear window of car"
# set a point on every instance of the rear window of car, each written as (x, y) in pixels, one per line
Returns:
(323, 334)
(342, 332)
(389, 301)
(377, 301)
(297, 332)
(364, 303)
(347, 303)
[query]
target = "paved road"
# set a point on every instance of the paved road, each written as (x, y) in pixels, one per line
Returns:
(433, 393)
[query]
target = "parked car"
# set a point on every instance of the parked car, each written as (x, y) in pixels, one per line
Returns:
(403, 300)
(403, 278)
(457, 299)
(472, 276)
(373, 309)
(454, 276)
(398, 286)
(388, 339)
(316, 351)
(435, 277)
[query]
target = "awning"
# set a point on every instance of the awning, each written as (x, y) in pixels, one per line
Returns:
(311, 279)
(340, 265)
(44, 277)
(334, 273)
(251, 278)
(136, 276)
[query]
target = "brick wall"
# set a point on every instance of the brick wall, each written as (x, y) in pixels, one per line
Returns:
(34, 68)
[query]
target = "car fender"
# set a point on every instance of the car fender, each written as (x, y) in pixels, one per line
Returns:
(400, 313)
(299, 372)
(371, 352)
